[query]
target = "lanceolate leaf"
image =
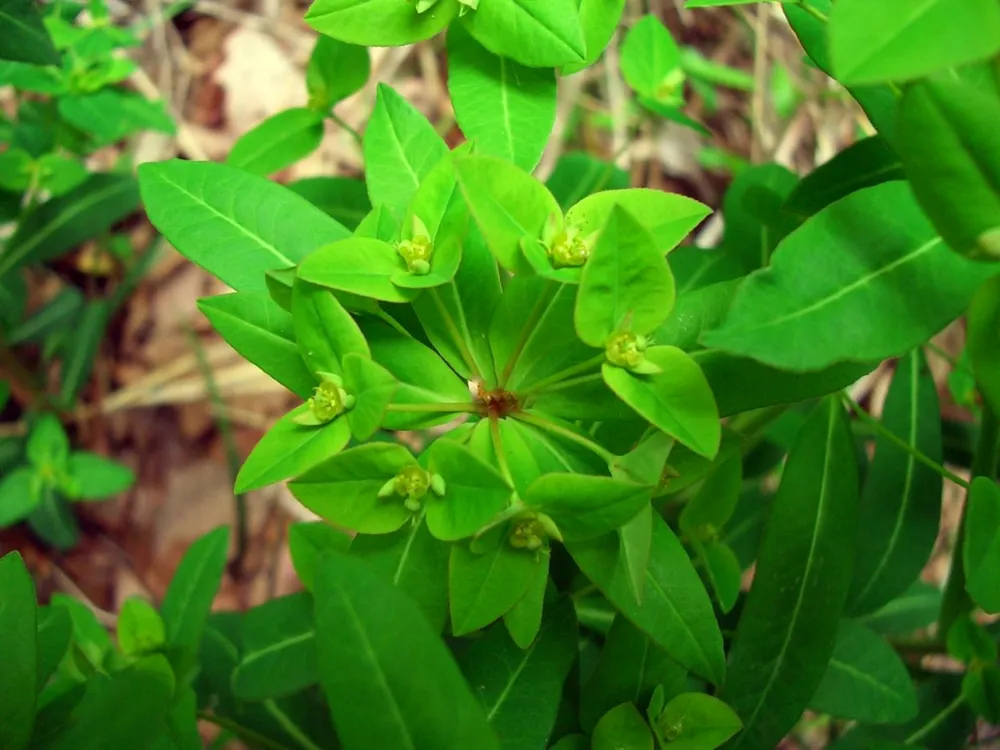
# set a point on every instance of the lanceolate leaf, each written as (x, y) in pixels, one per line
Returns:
(952, 162)
(865, 257)
(278, 142)
(897, 40)
(675, 611)
(507, 108)
(18, 620)
(788, 626)
(260, 331)
(233, 224)
(520, 689)
(60, 224)
(279, 649)
(537, 33)
(981, 551)
(398, 22)
(865, 680)
(901, 503)
(189, 598)
(400, 148)
(983, 340)
(324, 330)
(24, 36)
(388, 678)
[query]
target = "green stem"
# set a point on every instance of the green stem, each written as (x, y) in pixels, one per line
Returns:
(557, 429)
(392, 322)
(955, 365)
(937, 720)
(569, 372)
(241, 731)
(569, 383)
(815, 13)
(290, 726)
(902, 444)
(498, 449)
(956, 600)
(456, 335)
(529, 328)
(354, 133)
(465, 408)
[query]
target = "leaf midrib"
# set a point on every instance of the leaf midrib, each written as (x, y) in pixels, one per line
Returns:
(280, 645)
(176, 625)
(861, 61)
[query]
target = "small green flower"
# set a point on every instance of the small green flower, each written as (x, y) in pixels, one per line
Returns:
(328, 402)
(628, 350)
(417, 250)
(413, 483)
(566, 247)
(531, 530)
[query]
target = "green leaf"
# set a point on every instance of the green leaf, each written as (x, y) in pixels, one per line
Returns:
(675, 611)
(970, 643)
(896, 40)
(112, 114)
(55, 631)
(353, 21)
(278, 142)
(261, 332)
(599, 19)
(723, 570)
(586, 507)
(869, 162)
(668, 217)
(756, 220)
(124, 710)
(788, 628)
(335, 71)
(677, 400)
(79, 352)
(97, 477)
(388, 678)
(279, 649)
(60, 174)
(507, 108)
(955, 173)
(233, 224)
(342, 198)
(486, 578)
(982, 340)
(981, 688)
(360, 266)
(651, 60)
(524, 619)
(307, 540)
(865, 680)
(414, 562)
(877, 101)
(578, 174)
(520, 689)
(324, 330)
(400, 148)
(714, 503)
(19, 495)
(536, 33)
(24, 36)
(901, 502)
(289, 449)
(917, 608)
(636, 538)
(53, 520)
(373, 388)
(622, 728)
(695, 721)
(344, 489)
(188, 600)
(507, 204)
(475, 492)
(19, 676)
(630, 668)
(40, 80)
(140, 628)
(981, 551)
(625, 285)
(858, 259)
(48, 444)
(60, 224)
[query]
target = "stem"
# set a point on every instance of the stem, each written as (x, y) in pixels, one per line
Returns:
(804, 4)
(930, 345)
(463, 348)
(956, 601)
(902, 444)
(241, 731)
(465, 408)
(232, 453)
(392, 322)
(569, 383)
(557, 429)
(498, 448)
(289, 726)
(354, 133)
(562, 375)
(529, 328)
(935, 721)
